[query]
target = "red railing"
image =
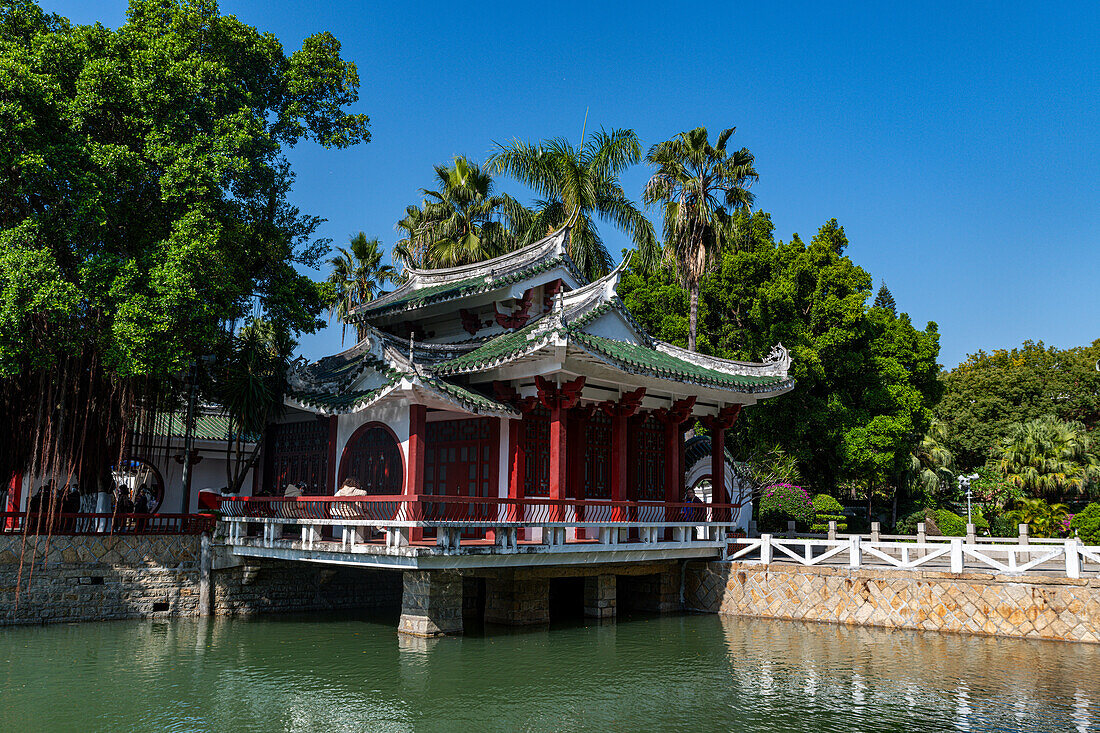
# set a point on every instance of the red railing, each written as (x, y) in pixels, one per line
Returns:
(474, 510)
(104, 524)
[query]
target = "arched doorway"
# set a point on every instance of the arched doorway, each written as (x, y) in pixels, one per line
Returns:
(142, 482)
(373, 456)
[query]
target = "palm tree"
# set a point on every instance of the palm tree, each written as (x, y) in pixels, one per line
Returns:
(576, 184)
(357, 276)
(410, 250)
(460, 221)
(1043, 520)
(701, 186)
(1048, 456)
(931, 465)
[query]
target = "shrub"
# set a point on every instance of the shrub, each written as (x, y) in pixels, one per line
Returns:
(827, 509)
(937, 522)
(1004, 526)
(780, 503)
(1086, 524)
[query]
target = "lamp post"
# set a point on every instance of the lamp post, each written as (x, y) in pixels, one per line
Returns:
(964, 483)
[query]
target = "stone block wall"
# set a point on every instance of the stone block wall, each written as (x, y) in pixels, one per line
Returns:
(97, 578)
(64, 579)
(272, 586)
(431, 603)
(655, 593)
(1017, 606)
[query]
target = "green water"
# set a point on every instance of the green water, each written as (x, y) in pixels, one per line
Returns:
(699, 673)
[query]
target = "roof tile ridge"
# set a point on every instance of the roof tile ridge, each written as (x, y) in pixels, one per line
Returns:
(776, 365)
(552, 243)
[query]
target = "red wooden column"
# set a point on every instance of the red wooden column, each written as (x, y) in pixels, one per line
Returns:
(517, 454)
(672, 419)
(620, 413)
(718, 425)
(414, 476)
(558, 400)
(15, 490)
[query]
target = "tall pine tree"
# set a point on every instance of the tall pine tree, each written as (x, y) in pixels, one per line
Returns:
(885, 299)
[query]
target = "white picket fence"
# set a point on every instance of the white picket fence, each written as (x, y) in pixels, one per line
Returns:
(1069, 558)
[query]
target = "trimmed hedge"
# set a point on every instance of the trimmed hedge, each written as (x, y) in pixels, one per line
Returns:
(937, 522)
(1086, 524)
(827, 509)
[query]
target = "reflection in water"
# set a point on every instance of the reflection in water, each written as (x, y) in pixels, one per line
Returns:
(341, 673)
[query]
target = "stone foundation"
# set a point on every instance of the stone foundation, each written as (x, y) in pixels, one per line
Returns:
(652, 593)
(600, 596)
(516, 600)
(1016, 606)
(431, 603)
(98, 578)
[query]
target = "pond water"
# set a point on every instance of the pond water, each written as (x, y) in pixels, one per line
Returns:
(704, 673)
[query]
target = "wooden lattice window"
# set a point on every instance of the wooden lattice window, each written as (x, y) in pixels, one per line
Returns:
(458, 457)
(298, 454)
(373, 457)
(536, 450)
(597, 457)
(647, 459)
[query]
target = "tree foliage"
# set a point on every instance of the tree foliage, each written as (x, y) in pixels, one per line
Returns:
(143, 190)
(577, 186)
(700, 186)
(357, 277)
(866, 379)
(1047, 456)
(885, 299)
(460, 221)
(989, 392)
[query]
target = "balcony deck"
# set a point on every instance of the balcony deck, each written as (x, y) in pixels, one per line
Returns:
(458, 532)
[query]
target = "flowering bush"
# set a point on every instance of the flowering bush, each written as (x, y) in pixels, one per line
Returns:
(780, 503)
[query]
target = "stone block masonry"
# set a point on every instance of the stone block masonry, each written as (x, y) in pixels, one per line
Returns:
(1015, 606)
(431, 604)
(98, 578)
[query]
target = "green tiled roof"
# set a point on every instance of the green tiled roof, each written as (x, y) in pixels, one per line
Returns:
(500, 348)
(449, 290)
(336, 402)
(634, 358)
(468, 397)
(208, 426)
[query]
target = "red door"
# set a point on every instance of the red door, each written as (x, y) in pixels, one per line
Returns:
(458, 462)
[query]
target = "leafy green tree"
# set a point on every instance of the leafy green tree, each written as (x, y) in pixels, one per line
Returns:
(700, 186)
(1086, 524)
(461, 221)
(930, 468)
(1043, 519)
(577, 186)
(143, 206)
(866, 378)
(885, 299)
(989, 392)
(1048, 456)
(357, 277)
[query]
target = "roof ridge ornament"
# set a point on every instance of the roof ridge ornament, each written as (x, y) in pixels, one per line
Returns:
(779, 356)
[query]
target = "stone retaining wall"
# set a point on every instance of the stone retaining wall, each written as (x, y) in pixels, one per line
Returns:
(1018, 606)
(97, 578)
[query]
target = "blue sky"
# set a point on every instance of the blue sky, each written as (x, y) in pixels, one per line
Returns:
(956, 142)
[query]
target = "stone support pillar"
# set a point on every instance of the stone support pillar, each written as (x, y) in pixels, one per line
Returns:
(514, 600)
(431, 603)
(599, 596)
